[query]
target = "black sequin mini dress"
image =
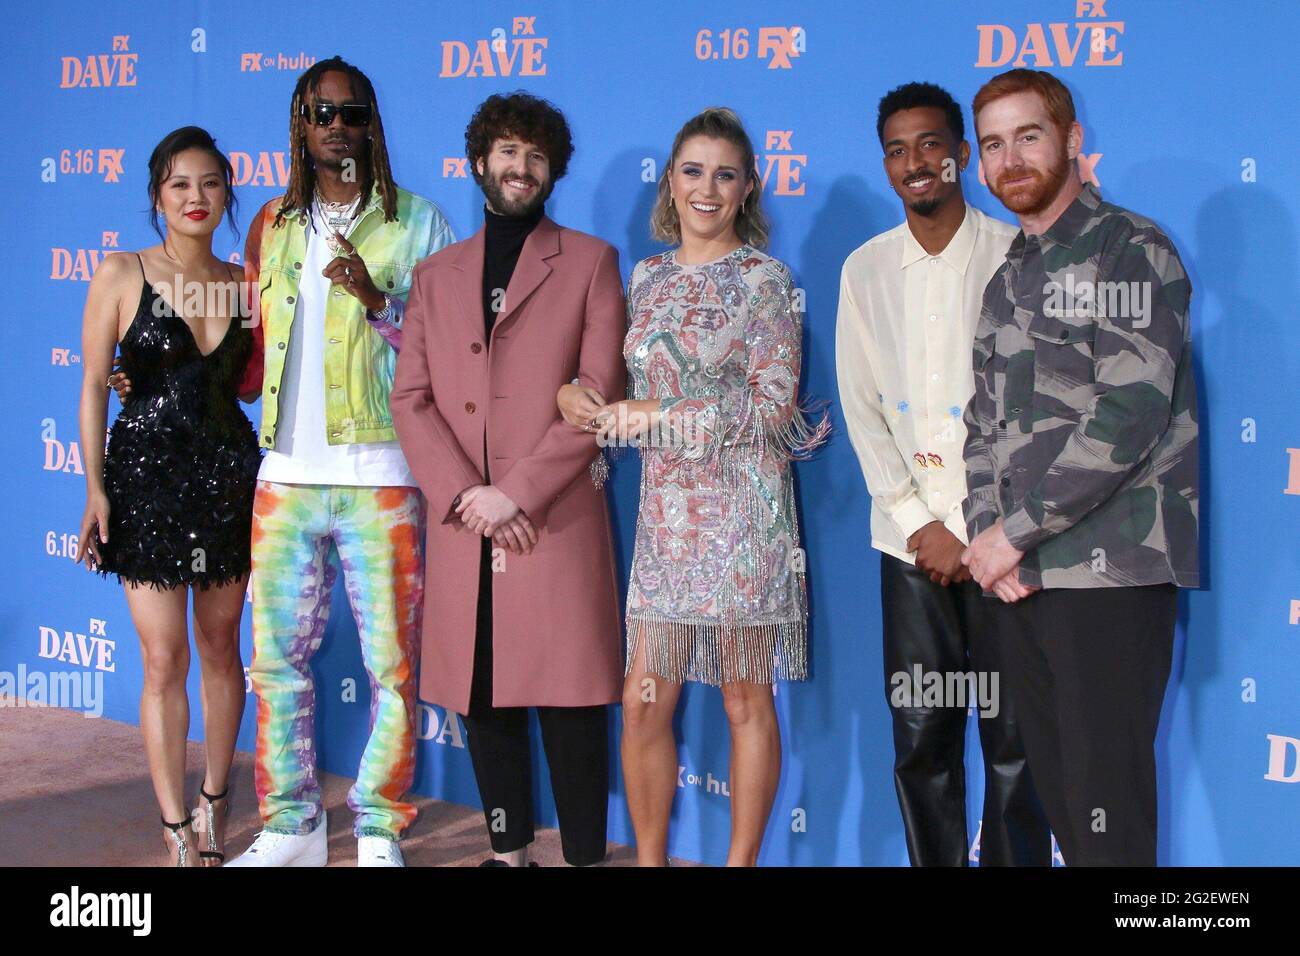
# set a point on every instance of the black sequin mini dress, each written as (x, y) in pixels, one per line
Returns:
(182, 459)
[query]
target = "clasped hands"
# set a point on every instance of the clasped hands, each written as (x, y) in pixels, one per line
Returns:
(488, 511)
(991, 560)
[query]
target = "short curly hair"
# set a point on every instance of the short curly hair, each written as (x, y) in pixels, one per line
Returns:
(528, 117)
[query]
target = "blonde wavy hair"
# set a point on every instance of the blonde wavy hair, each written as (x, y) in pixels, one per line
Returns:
(716, 122)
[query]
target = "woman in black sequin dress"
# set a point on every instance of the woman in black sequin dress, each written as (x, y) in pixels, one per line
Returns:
(169, 505)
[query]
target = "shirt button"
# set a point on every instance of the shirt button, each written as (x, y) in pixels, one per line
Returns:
(934, 262)
(272, 389)
(281, 346)
(390, 283)
(476, 348)
(469, 407)
(289, 299)
(1002, 423)
(934, 377)
(934, 318)
(1006, 482)
(297, 265)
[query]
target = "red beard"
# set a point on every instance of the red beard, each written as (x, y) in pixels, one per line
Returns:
(1032, 197)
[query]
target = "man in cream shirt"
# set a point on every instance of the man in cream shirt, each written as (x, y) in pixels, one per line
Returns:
(909, 302)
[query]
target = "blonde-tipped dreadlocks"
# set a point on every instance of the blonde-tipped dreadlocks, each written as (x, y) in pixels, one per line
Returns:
(302, 171)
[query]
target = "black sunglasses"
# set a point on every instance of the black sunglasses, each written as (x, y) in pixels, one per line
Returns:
(354, 114)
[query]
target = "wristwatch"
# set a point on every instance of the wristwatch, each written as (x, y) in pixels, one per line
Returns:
(386, 312)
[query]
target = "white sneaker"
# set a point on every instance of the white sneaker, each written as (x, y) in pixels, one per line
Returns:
(286, 849)
(378, 851)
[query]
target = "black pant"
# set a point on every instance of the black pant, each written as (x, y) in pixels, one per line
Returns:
(946, 630)
(1088, 669)
(576, 740)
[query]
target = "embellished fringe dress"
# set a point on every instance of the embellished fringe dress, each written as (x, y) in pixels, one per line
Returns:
(717, 591)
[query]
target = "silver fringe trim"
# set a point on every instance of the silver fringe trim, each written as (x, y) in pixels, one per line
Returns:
(708, 652)
(794, 439)
(599, 470)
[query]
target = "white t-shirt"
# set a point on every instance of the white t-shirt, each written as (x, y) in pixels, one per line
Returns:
(302, 453)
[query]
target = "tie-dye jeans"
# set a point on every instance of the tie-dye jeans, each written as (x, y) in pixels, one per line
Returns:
(302, 536)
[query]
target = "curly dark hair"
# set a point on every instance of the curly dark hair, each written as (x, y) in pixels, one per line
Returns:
(528, 117)
(913, 95)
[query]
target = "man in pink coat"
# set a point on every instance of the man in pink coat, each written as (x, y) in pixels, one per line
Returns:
(521, 601)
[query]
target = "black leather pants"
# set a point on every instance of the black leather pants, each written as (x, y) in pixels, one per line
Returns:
(948, 631)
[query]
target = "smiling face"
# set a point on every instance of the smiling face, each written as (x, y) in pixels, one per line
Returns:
(331, 145)
(1027, 157)
(922, 159)
(192, 196)
(709, 185)
(515, 176)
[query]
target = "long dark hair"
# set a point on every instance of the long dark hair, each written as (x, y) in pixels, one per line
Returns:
(302, 171)
(160, 167)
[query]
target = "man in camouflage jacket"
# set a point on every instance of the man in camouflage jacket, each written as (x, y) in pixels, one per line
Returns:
(1082, 471)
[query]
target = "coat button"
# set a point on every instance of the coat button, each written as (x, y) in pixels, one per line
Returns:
(297, 265)
(289, 299)
(469, 407)
(476, 348)
(272, 389)
(1006, 482)
(1002, 423)
(281, 346)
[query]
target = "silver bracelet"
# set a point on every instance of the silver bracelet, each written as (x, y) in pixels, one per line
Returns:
(383, 314)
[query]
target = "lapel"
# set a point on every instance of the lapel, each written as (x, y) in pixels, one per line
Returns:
(469, 283)
(530, 271)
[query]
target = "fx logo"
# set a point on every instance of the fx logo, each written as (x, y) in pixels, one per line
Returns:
(454, 167)
(110, 164)
(779, 45)
(788, 166)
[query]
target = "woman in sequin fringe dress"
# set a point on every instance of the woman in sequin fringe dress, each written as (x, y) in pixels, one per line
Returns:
(169, 505)
(717, 592)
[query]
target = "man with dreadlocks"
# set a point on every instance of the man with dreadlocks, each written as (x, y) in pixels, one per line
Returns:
(332, 259)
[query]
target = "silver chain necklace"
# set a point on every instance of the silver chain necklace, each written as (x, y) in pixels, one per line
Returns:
(338, 217)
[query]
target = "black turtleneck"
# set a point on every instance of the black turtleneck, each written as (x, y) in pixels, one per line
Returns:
(504, 238)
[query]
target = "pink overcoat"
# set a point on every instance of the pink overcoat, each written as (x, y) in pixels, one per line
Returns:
(555, 615)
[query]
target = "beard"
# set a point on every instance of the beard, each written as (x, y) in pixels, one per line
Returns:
(925, 207)
(495, 191)
(1035, 196)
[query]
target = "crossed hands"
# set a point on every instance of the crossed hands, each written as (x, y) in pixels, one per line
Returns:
(488, 511)
(994, 562)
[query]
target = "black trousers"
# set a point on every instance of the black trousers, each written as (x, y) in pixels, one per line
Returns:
(576, 741)
(947, 630)
(1087, 669)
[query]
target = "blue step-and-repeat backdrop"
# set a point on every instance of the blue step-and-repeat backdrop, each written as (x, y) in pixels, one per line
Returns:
(1189, 115)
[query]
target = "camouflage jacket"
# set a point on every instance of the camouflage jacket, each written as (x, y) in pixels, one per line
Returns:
(1082, 434)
